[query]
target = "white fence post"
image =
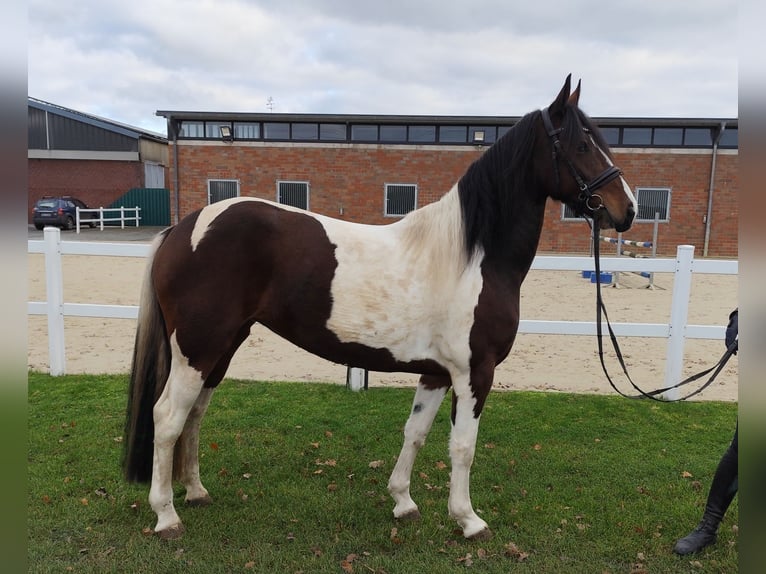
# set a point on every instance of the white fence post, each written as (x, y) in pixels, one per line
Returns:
(356, 378)
(679, 313)
(54, 288)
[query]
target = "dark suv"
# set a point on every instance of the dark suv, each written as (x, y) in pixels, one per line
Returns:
(60, 212)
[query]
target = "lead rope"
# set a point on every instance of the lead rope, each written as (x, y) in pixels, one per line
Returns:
(600, 307)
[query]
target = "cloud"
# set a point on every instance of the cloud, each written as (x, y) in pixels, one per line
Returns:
(487, 57)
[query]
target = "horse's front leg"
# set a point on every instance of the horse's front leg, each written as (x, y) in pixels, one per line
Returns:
(428, 397)
(465, 430)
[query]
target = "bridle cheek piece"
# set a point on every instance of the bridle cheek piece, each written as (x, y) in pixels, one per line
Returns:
(592, 201)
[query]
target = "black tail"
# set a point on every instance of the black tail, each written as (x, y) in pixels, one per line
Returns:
(149, 373)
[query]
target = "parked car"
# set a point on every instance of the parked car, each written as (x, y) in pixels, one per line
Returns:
(60, 212)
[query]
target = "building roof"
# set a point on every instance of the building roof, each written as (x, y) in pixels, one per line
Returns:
(437, 119)
(96, 121)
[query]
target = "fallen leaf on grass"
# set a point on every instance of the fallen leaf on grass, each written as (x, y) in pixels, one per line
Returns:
(513, 551)
(686, 474)
(214, 445)
(376, 464)
(441, 465)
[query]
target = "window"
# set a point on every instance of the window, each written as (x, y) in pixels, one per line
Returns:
(213, 129)
(220, 189)
(637, 136)
(247, 130)
(489, 134)
(332, 132)
(364, 133)
(276, 131)
(729, 138)
(401, 198)
(698, 137)
(668, 136)
(611, 135)
(653, 200)
(422, 134)
(305, 131)
(192, 130)
(393, 133)
(452, 134)
(295, 193)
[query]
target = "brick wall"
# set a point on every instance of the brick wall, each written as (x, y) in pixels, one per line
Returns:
(97, 183)
(353, 177)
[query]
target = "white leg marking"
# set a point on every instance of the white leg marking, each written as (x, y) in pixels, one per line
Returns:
(170, 414)
(196, 493)
(424, 409)
(462, 447)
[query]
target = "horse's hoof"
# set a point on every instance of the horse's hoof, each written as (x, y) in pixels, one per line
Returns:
(204, 501)
(484, 534)
(173, 533)
(411, 516)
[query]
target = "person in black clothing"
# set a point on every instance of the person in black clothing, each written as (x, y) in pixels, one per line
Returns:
(725, 483)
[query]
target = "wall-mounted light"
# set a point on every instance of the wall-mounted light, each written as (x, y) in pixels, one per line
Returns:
(226, 134)
(478, 137)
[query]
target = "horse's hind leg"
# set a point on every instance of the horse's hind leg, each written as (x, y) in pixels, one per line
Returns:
(428, 397)
(170, 414)
(186, 463)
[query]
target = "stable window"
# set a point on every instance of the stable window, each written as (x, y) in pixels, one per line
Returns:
(220, 189)
(401, 198)
(295, 193)
(651, 201)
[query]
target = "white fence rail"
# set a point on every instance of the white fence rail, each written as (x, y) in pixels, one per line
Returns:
(105, 215)
(676, 330)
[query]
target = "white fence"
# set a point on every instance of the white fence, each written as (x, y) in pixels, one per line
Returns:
(676, 331)
(122, 214)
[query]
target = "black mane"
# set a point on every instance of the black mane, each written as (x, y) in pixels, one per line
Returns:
(499, 184)
(489, 187)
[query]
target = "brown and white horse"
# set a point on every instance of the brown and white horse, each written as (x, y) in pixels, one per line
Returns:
(436, 293)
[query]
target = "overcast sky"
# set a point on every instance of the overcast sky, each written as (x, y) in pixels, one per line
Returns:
(126, 60)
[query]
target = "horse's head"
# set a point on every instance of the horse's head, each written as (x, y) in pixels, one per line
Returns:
(582, 174)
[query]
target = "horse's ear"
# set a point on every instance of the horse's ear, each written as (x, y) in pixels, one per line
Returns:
(558, 104)
(574, 99)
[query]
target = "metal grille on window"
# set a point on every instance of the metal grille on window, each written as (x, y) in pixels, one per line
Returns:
(220, 189)
(295, 193)
(401, 199)
(651, 201)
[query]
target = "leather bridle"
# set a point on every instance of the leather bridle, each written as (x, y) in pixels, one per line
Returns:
(588, 198)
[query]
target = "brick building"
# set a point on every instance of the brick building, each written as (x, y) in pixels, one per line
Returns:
(371, 169)
(91, 158)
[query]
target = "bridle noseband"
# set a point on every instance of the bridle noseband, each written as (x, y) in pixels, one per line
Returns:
(592, 201)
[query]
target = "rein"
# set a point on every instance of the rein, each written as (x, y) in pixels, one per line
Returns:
(594, 203)
(600, 307)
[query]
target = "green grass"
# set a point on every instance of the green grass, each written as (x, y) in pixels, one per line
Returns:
(568, 483)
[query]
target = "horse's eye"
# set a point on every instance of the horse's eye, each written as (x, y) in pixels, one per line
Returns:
(582, 147)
